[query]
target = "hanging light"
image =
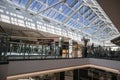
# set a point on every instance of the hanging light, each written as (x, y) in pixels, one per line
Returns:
(61, 8)
(78, 19)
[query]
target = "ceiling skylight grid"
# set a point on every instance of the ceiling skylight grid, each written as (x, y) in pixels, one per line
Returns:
(81, 14)
(35, 6)
(51, 13)
(72, 3)
(77, 4)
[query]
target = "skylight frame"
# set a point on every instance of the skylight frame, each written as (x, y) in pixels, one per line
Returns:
(94, 14)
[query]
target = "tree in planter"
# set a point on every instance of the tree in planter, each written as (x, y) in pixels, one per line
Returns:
(84, 51)
(85, 40)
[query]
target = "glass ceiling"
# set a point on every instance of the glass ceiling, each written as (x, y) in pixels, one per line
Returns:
(85, 15)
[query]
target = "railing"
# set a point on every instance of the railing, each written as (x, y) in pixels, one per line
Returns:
(21, 51)
(104, 54)
(32, 51)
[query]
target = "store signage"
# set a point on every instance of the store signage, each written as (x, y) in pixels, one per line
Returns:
(45, 41)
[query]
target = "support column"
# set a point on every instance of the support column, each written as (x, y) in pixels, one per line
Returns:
(70, 49)
(60, 46)
(76, 74)
(62, 75)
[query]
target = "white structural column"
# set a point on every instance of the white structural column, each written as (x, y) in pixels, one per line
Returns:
(70, 48)
(60, 46)
(60, 41)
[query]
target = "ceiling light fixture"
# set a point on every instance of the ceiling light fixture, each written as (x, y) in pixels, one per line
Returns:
(78, 17)
(61, 8)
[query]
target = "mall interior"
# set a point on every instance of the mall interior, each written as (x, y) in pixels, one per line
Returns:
(59, 40)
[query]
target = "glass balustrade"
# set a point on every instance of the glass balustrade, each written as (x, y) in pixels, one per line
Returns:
(20, 50)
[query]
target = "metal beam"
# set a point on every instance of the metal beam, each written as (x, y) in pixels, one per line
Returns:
(72, 13)
(98, 31)
(44, 4)
(48, 7)
(89, 25)
(98, 25)
(91, 7)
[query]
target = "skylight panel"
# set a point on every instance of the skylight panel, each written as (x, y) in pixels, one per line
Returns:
(23, 2)
(77, 4)
(80, 26)
(57, 6)
(84, 9)
(51, 2)
(65, 9)
(93, 17)
(16, 1)
(107, 30)
(83, 20)
(69, 12)
(90, 1)
(63, 18)
(97, 22)
(75, 25)
(69, 22)
(51, 14)
(71, 3)
(44, 1)
(89, 31)
(101, 22)
(93, 27)
(37, 7)
(55, 15)
(75, 16)
(87, 13)
(59, 17)
(47, 12)
(32, 5)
